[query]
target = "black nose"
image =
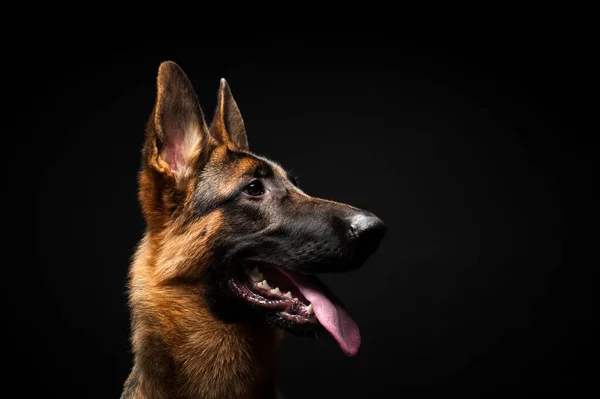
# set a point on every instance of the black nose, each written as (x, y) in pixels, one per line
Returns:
(366, 232)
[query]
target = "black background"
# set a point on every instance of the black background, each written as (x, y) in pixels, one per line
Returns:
(464, 146)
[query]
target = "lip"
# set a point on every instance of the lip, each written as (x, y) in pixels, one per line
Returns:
(274, 293)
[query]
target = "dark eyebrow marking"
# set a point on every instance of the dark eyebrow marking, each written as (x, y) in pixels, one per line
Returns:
(263, 170)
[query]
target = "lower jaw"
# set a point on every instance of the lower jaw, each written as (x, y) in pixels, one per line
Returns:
(292, 327)
(286, 310)
(294, 318)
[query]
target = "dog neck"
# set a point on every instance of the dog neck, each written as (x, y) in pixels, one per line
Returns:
(181, 350)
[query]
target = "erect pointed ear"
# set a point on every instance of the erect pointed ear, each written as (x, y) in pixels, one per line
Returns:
(227, 125)
(177, 134)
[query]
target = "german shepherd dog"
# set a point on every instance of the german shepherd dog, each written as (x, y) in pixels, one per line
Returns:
(229, 256)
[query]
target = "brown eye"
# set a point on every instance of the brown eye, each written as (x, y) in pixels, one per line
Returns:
(255, 188)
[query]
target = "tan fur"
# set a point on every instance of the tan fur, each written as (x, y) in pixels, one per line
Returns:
(181, 350)
(206, 358)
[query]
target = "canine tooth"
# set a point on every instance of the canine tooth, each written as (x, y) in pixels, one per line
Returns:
(264, 285)
(288, 295)
(255, 274)
(275, 291)
(309, 309)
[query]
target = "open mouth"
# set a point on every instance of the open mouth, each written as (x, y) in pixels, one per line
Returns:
(298, 299)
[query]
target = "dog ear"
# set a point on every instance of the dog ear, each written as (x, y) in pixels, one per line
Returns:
(177, 142)
(176, 134)
(227, 125)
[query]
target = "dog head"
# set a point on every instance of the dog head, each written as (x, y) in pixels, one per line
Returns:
(238, 225)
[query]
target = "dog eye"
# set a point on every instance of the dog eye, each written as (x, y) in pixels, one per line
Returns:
(255, 188)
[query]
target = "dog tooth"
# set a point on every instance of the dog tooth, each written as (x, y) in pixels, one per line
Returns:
(275, 291)
(288, 295)
(309, 309)
(264, 285)
(255, 274)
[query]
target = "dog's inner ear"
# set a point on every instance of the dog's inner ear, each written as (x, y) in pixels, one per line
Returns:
(178, 132)
(227, 125)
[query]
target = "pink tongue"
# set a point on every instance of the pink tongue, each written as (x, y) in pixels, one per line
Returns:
(330, 312)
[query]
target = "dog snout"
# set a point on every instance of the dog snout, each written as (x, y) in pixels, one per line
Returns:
(366, 232)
